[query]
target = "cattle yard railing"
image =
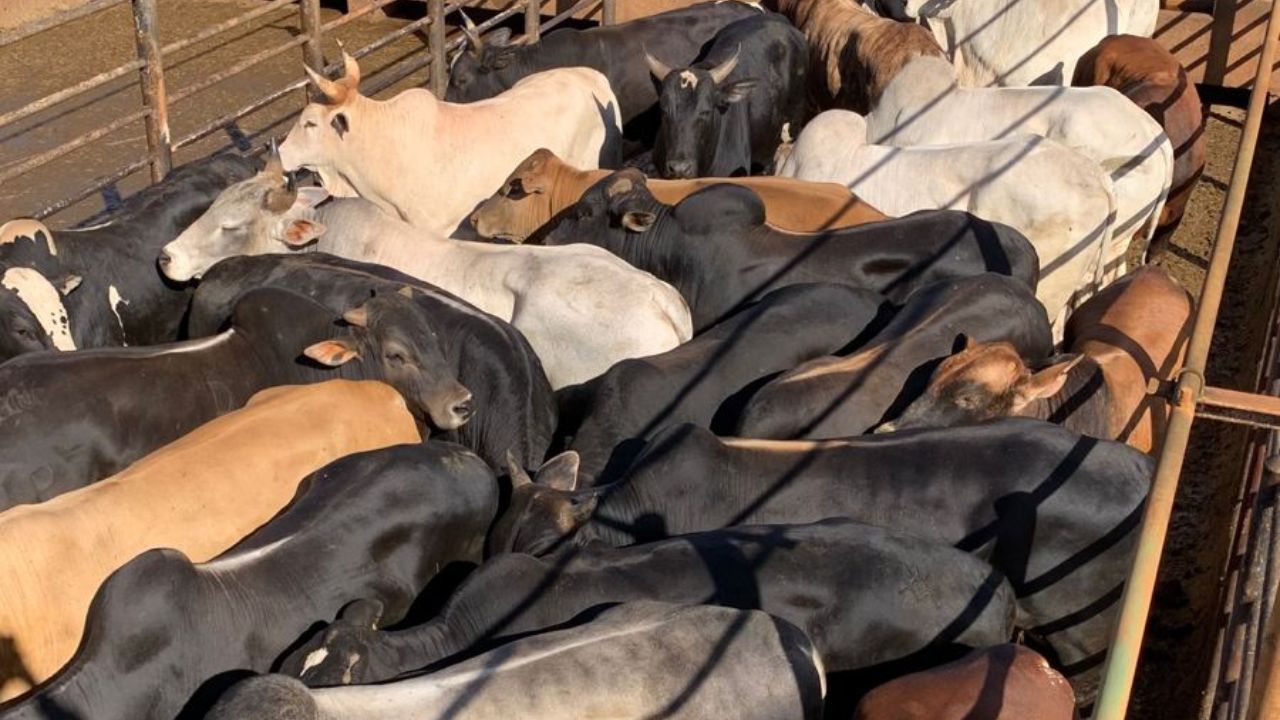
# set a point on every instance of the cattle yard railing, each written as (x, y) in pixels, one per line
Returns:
(157, 98)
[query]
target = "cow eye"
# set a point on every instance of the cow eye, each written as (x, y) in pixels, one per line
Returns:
(24, 333)
(232, 225)
(395, 357)
(309, 124)
(515, 190)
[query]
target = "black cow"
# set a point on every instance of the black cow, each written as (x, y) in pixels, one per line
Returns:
(1055, 511)
(707, 380)
(867, 597)
(70, 419)
(113, 293)
(716, 249)
(379, 526)
(834, 397)
(726, 114)
(676, 37)
(514, 406)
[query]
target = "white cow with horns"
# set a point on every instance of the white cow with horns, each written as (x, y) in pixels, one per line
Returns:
(430, 162)
(581, 308)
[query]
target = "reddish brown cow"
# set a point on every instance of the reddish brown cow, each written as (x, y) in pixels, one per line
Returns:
(1133, 331)
(1152, 78)
(1005, 682)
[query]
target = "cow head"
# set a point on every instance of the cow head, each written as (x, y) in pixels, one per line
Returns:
(390, 332)
(543, 512)
(324, 129)
(614, 211)
(473, 71)
(348, 652)
(693, 103)
(982, 381)
(522, 204)
(266, 213)
(20, 330)
(33, 286)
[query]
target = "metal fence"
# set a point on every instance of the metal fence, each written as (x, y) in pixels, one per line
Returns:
(1189, 395)
(157, 98)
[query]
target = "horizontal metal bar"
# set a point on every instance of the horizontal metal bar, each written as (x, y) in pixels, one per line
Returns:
(460, 39)
(209, 127)
(1216, 398)
(577, 7)
(236, 69)
(349, 17)
(39, 26)
(69, 92)
(224, 26)
(35, 161)
(92, 188)
(392, 36)
(402, 70)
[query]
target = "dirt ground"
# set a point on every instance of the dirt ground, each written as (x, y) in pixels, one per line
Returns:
(1181, 633)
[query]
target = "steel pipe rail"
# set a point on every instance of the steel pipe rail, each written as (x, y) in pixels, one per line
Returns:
(62, 18)
(1122, 658)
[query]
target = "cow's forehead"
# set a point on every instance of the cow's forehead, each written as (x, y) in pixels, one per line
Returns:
(248, 191)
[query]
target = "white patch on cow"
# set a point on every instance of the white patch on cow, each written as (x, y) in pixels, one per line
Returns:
(237, 560)
(114, 301)
(26, 227)
(96, 226)
(352, 659)
(189, 346)
(314, 658)
(786, 133)
(822, 669)
(688, 80)
(44, 301)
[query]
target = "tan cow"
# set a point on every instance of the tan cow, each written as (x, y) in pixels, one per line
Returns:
(1132, 332)
(855, 54)
(1152, 78)
(1005, 682)
(200, 494)
(544, 185)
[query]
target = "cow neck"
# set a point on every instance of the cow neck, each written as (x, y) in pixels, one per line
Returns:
(568, 184)
(1081, 405)
(386, 188)
(422, 645)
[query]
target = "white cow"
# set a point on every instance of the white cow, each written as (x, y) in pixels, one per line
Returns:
(1022, 42)
(581, 308)
(924, 106)
(430, 162)
(1061, 200)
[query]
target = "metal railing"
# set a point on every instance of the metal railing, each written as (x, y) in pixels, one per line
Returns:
(158, 99)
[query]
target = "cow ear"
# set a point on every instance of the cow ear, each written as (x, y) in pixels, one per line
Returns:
(340, 124)
(69, 283)
(310, 196)
(736, 91)
(333, 353)
(365, 612)
(560, 472)
(637, 221)
(1043, 384)
(498, 38)
(300, 232)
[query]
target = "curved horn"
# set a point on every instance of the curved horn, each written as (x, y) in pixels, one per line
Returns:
(657, 67)
(350, 69)
(357, 316)
(473, 37)
(335, 92)
(720, 73)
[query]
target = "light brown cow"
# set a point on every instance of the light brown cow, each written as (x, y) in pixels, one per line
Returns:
(1134, 331)
(1152, 78)
(855, 54)
(200, 494)
(544, 185)
(1005, 682)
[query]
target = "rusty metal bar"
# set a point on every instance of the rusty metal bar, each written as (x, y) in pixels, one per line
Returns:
(154, 97)
(1122, 659)
(436, 47)
(37, 160)
(609, 13)
(532, 19)
(312, 27)
(225, 25)
(392, 36)
(400, 71)
(355, 14)
(236, 69)
(39, 26)
(70, 92)
(577, 7)
(211, 126)
(1224, 21)
(92, 188)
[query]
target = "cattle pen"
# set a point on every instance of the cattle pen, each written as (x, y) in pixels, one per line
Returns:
(1243, 674)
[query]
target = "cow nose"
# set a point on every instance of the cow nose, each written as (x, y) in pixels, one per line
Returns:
(679, 169)
(463, 409)
(164, 260)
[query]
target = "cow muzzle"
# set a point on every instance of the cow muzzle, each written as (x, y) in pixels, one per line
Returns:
(679, 170)
(454, 411)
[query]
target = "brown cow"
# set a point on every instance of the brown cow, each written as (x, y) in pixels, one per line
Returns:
(855, 54)
(1120, 339)
(544, 185)
(1005, 682)
(199, 494)
(1151, 77)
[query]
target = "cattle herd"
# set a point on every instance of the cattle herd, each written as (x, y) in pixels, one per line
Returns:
(766, 362)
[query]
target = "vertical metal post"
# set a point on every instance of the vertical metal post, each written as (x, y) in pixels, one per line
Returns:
(436, 40)
(609, 13)
(153, 93)
(1135, 603)
(532, 19)
(1224, 21)
(312, 49)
